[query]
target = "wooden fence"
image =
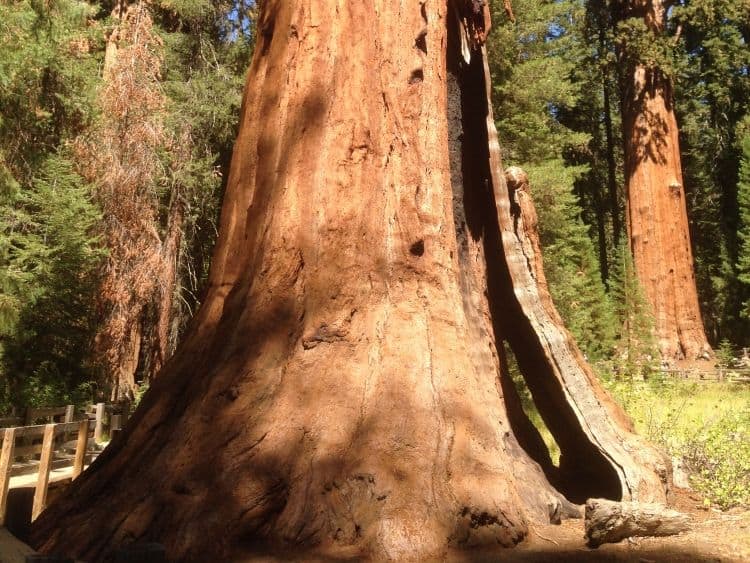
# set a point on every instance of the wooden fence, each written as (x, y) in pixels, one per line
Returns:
(735, 375)
(21, 439)
(50, 433)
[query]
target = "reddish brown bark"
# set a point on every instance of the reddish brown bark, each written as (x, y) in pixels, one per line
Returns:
(163, 341)
(340, 391)
(122, 158)
(656, 207)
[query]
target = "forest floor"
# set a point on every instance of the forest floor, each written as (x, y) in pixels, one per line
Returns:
(713, 537)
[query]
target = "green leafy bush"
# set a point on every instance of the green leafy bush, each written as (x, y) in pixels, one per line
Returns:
(718, 458)
(705, 424)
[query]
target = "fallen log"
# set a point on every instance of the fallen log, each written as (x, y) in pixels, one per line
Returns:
(607, 521)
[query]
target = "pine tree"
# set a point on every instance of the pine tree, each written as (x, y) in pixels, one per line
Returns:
(532, 61)
(712, 96)
(743, 233)
(48, 250)
(50, 238)
(637, 347)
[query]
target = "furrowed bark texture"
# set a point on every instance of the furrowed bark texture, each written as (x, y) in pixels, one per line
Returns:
(598, 449)
(656, 207)
(340, 390)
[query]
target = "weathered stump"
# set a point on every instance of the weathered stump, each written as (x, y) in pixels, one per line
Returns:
(609, 522)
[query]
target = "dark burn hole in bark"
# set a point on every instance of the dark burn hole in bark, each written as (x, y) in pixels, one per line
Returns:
(417, 249)
(266, 32)
(584, 472)
(417, 75)
(421, 41)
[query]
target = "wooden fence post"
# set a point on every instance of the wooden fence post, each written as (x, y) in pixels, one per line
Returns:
(70, 413)
(45, 464)
(81, 445)
(99, 427)
(115, 424)
(126, 408)
(6, 462)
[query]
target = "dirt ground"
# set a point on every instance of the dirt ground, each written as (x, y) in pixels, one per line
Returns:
(714, 537)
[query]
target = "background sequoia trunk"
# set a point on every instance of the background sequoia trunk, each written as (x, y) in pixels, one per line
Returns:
(656, 207)
(340, 389)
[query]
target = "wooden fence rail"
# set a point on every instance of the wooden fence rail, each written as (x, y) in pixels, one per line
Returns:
(49, 434)
(738, 375)
(21, 432)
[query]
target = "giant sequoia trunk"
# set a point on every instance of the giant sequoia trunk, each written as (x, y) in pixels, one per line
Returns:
(656, 208)
(340, 390)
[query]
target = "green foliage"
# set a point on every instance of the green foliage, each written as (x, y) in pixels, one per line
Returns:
(49, 248)
(712, 96)
(718, 458)
(532, 62)
(707, 425)
(725, 353)
(529, 407)
(48, 252)
(639, 45)
(207, 49)
(743, 233)
(570, 264)
(51, 57)
(637, 344)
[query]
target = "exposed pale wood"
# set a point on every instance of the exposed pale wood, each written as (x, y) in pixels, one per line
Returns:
(45, 464)
(6, 462)
(39, 429)
(30, 431)
(81, 444)
(99, 423)
(70, 412)
(33, 414)
(599, 451)
(609, 522)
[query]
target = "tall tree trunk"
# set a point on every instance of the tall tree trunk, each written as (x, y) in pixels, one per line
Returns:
(163, 347)
(656, 209)
(123, 159)
(340, 389)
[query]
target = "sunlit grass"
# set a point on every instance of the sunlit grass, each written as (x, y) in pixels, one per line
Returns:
(706, 424)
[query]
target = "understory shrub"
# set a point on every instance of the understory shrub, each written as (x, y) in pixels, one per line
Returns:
(707, 425)
(718, 459)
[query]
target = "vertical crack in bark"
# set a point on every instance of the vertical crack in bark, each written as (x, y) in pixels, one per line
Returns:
(586, 469)
(440, 415)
